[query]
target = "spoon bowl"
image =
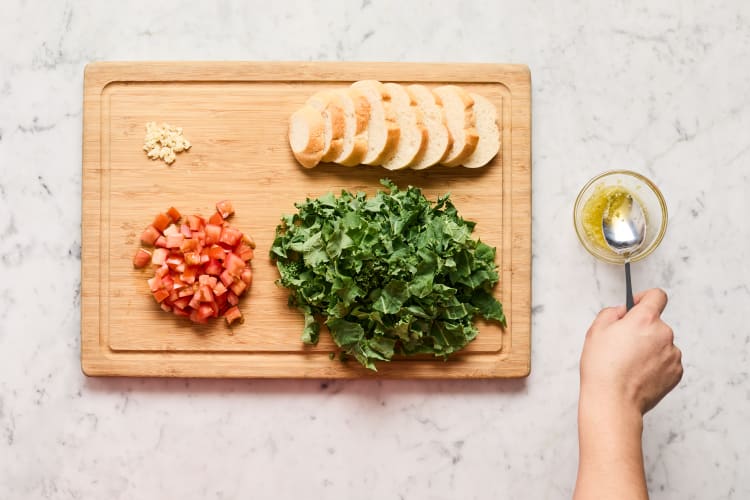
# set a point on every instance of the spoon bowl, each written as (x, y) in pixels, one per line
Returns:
(624, 229)
(624, 224)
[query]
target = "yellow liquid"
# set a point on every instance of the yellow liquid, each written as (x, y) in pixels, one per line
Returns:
(593, 210)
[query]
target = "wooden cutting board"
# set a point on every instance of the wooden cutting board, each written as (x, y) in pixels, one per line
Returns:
(236, 114)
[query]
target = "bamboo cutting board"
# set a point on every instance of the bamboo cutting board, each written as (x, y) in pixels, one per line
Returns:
(235, 114)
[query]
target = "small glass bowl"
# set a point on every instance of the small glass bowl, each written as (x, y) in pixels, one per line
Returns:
(647, 194)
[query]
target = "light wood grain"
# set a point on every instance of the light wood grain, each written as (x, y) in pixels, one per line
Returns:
(235, 115)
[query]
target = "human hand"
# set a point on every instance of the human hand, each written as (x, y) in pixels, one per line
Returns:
(629, 360)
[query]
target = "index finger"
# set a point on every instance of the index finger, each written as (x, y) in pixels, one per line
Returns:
(655, 298)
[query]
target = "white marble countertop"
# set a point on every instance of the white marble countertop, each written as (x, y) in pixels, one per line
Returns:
(659, 89)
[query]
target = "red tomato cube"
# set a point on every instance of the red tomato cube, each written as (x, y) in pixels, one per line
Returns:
(141, 259)
(161, 221)
(225, 208)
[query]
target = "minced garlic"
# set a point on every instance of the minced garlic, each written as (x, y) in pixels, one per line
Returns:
(164, 142)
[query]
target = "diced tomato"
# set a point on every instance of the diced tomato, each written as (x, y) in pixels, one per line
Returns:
(171, 230)
(155, 283)
(189, 246)
(160, 256)
(214, 309)
(216, 252)
(205, 294)
(225, 208)
(161, 221)
(195, 318)
(174, 214)
(173, 261)
(167, 282)
(205, 311)
(244, 251)
(195, 222)
(213, 267)
(180, 312)
(226, 278)
(161, 271)
(216, 219)
(238, 287)
(141, 259)
(221, 301)
(181, 302)
(160, 295)
(230, 236)
(195, 302)
(188, 276)
(247, 276)
(234, 264)
(200, 270)
(210, 281)
(219, 289)
(178, 284)
(213, 233)
(233, 314)
(175, 240)
(192, 259)
(150, 235)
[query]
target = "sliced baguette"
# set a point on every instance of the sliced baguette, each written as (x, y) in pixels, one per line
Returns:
(438, 137)
(413, 134)
(382, 129)
(485, 116)
(356, 116)
(307, 136)
(328, 104)
(459, 114)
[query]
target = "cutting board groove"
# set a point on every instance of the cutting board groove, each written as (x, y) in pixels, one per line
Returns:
(235, 114)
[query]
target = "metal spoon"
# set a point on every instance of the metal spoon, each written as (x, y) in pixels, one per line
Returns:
(624, 228)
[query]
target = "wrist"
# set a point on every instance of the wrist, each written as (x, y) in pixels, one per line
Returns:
(608, 413)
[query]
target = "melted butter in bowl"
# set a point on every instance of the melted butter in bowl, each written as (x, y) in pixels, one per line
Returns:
(594, 208)
(593, 200)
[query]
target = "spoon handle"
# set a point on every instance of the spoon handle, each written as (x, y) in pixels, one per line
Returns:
(628, 288)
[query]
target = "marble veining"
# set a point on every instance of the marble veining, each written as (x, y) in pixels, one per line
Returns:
(658, 87)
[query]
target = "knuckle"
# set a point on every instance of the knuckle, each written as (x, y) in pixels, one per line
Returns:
(662, 294)
(669, 334)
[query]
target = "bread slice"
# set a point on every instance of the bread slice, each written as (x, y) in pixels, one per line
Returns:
(307, 136)
(356, 116)
(459, 114)
(485, 116)
(329, 105)
(412, 139)
(382, 129)
(438, 137)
